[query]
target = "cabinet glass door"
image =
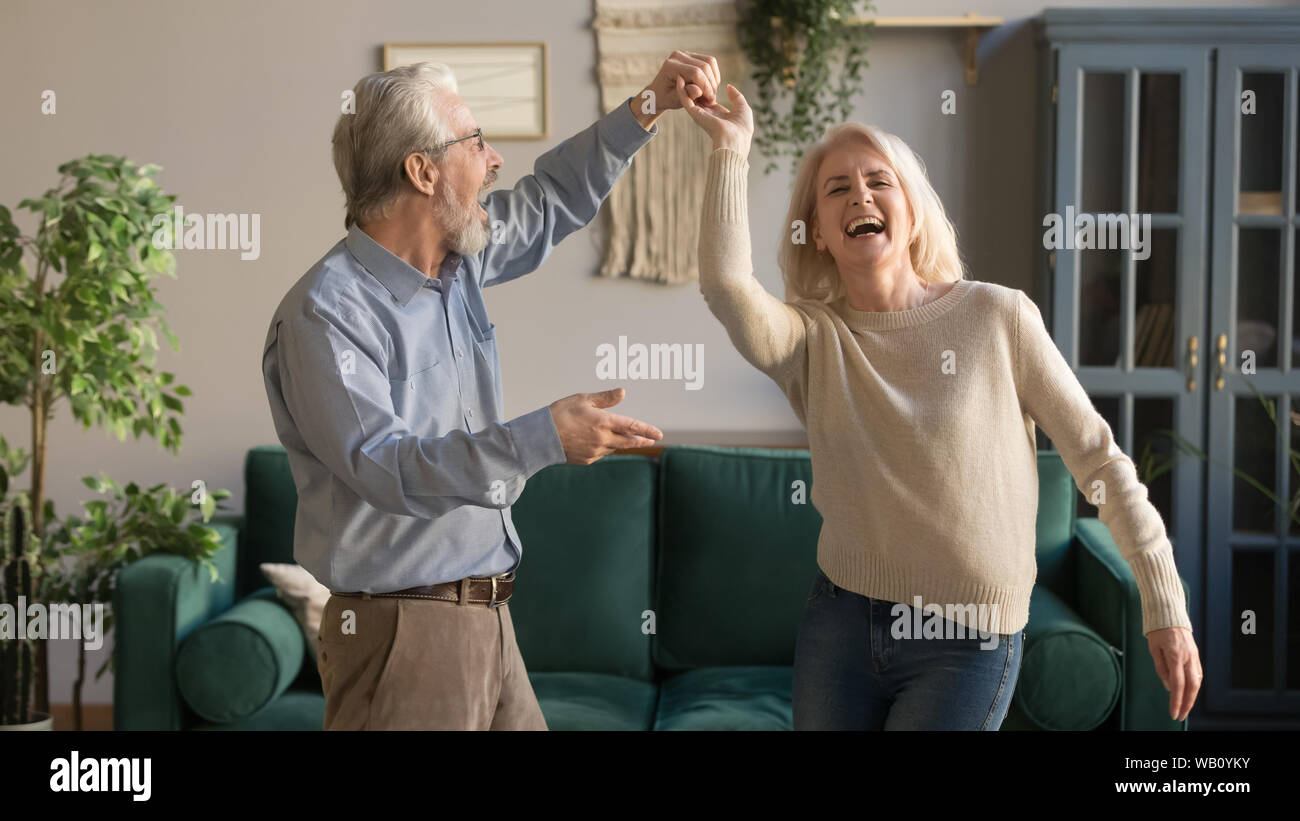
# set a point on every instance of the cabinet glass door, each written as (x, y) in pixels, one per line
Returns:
(1129, 265)
(1252, 524)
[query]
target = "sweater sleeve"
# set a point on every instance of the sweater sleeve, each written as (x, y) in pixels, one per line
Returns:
(768, 333)
(1051, 394)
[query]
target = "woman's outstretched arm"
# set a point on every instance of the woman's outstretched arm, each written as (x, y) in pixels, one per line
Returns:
(1051, 394)
(768, 332)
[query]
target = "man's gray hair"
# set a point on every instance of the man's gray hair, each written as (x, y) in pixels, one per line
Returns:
(398, 113)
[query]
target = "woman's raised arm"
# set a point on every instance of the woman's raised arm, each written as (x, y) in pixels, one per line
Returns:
(768, 332)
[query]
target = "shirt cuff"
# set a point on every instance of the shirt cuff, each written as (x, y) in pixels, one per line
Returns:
(536, 440)
(622, 134)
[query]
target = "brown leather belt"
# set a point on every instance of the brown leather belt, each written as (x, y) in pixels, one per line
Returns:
(492, 591)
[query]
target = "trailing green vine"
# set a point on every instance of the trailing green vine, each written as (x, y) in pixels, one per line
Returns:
(793, 46)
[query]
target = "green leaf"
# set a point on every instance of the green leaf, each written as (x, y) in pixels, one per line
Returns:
(208, 506)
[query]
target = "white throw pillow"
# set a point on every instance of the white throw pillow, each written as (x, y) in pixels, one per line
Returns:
(302, 594)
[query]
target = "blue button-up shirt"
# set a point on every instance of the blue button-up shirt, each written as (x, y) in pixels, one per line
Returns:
(385, 387)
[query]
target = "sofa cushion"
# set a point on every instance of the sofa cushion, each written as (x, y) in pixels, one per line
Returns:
(237, 663)
(585, 577)
(727, 698)
(594, 701)
(291, 711)
(1069, 677)
(270, 504)
(738, 551)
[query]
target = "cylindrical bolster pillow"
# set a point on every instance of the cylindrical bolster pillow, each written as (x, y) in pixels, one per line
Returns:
(236, 664)
(1069, 678)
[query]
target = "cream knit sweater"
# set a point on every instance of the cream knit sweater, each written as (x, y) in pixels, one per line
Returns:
(925, 475)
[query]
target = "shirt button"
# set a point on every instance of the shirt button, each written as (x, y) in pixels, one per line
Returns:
(470, 413)
(460, 354)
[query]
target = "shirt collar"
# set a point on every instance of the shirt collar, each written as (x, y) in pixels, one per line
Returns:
(394, 273)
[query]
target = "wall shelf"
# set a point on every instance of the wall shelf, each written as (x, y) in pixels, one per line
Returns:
(973, 23)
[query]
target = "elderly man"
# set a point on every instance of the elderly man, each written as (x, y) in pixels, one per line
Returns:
(382, 372)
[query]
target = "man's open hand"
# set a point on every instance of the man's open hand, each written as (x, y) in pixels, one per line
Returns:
(589, 432)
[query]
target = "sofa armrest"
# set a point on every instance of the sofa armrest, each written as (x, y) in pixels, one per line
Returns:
(157, 602)
(1107, 595)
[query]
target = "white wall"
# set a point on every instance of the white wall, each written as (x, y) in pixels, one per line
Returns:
(237, 99)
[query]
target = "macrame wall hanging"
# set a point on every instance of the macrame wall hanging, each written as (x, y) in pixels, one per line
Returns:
(652, 215)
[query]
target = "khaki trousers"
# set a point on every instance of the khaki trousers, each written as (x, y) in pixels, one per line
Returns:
(423, 664)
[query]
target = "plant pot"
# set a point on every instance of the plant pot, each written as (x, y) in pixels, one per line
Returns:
(41, 721)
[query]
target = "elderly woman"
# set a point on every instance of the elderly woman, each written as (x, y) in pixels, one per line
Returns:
(919, 390)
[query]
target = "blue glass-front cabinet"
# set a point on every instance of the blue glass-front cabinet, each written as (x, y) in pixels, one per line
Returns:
(1169, 154)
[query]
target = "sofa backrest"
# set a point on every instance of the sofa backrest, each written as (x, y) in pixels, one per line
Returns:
(270, 503)
(738, 553)
(1057, 498)
(586, 577)
(737, 538)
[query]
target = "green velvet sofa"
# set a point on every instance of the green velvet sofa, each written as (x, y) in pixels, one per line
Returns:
(655, 593)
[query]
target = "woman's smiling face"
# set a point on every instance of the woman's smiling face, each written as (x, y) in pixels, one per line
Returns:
(862, 216)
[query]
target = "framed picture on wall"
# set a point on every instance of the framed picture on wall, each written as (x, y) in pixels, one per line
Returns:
(504, 84)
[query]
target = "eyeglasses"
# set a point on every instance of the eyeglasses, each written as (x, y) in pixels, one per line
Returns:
(478, 133)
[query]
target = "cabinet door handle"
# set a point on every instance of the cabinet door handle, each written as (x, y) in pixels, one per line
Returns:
(1193, 344)
(1222, 344)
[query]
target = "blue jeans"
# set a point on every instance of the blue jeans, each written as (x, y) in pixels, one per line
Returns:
(850, 673)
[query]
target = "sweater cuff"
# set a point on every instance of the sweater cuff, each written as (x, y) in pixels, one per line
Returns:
(1161, 589)
(726, 186)
(536, 440)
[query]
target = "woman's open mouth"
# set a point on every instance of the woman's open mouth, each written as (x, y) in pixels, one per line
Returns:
(864, 227)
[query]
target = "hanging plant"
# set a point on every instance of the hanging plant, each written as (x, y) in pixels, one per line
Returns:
(795, 46)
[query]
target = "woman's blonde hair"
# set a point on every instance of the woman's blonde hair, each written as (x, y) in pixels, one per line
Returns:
(811, 274)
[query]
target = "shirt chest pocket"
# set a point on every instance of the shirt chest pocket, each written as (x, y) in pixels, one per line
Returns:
(490, 377)
(428, 399)
(487, 346)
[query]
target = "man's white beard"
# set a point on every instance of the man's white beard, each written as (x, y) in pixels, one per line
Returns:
(465, 233)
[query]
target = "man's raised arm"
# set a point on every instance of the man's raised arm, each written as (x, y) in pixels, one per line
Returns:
(570, 181)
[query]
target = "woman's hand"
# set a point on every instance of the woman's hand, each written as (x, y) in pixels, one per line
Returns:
(1179, 666)
(728, 129)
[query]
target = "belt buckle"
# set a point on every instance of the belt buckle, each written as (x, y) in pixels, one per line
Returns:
(493, 601)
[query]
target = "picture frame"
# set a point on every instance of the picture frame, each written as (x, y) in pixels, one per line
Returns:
(504, 84)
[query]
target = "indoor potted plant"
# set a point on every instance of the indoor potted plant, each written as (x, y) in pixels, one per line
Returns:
(81, 326)
(794, 47)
